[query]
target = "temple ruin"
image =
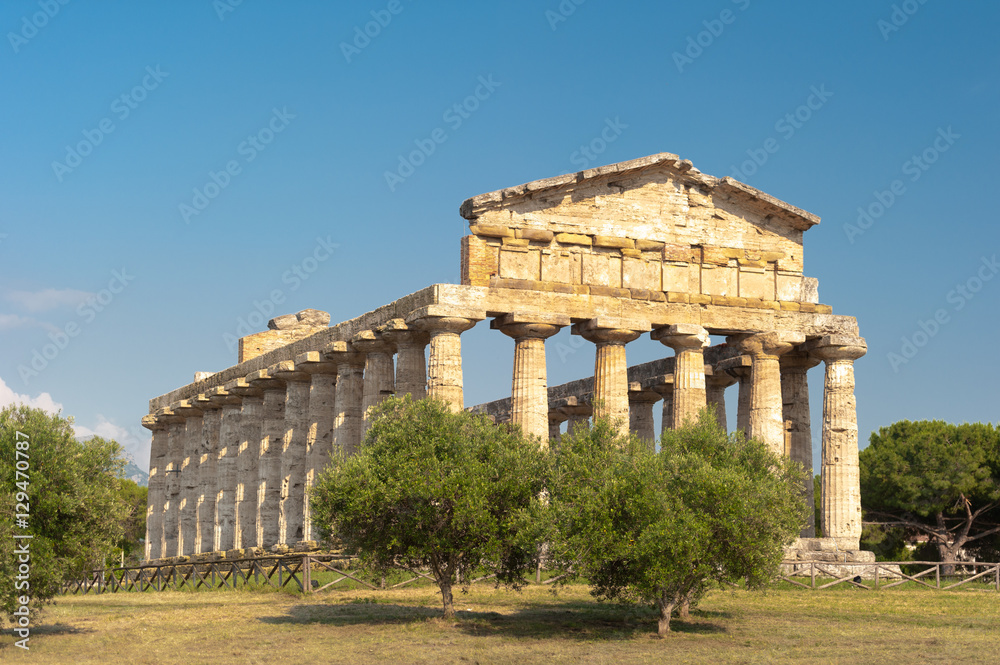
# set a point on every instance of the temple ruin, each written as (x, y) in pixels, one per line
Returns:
(645, 246)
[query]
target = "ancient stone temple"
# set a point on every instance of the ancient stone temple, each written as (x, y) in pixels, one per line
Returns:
(650, 246)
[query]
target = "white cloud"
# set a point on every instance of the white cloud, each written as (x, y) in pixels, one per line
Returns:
(42, 401)
(46, 299)
(12, 321)
(136, 441)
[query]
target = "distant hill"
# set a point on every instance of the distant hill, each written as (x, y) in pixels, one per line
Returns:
(134, 473)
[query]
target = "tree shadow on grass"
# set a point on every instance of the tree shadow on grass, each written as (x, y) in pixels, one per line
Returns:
(576, 621)
(52, 629)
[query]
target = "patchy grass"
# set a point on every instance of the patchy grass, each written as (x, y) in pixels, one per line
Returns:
(495, 626)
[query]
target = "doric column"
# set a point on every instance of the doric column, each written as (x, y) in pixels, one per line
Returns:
(379, 381)
(172, 476)
(187, 511)
(319, 437)
(840, 495)
(529, 404)
(666, 392)
(444, 362)
(577, 412)
(347, 403)
(767, 423)
(224, 526)
(739, 368)
(272, 437)
(715, 393)
(795, 400)
(293, 450)
(556, 419)
(157, 485)
(610, 366)
(207, 475)
(247, 461)
(411, 360)
(688, 342)
(640, 409)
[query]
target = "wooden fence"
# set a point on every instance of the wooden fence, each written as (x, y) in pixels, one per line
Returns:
(296, 572)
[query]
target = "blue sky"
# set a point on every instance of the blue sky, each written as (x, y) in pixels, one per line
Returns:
(169, 167)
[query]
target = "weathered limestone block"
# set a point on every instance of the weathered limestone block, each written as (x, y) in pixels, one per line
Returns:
(688, 342)
(157, 485)
(757, 283)
(480, 261)
(641, 274)
(523, 264)
(719, 280)
(560, 266)
(272, 435)
(319, 425)
(247, 461)
(795, 399)
(603, 269)
(840, 479)
(307, 318)
(610, 378)
(529, 386)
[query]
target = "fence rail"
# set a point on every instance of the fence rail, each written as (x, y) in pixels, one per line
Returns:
(296, 572)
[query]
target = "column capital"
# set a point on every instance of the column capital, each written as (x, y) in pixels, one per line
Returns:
(243, 388)
(529, 326)
(768, 344)
(369, 341)
(797, 362)
(682, 336)
(637, 393)
(167, 416)
(186, 409)
(610, 330)
(444, 324)
(312, 362)
(556, 416)
(286, 370)
(262, 379)
(837, 347)
(207, 403)
(219, 395)
(401, 334)
(737, 367)
(716, 377)
(343, 354)
(154, 423)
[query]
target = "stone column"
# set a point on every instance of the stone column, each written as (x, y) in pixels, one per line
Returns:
(840, 496)
(688, 342)
(739, 368)
(529, 404)
(556, 419)
(666, 392)
(272, 437)
(715, 387)
(347, 411)
(577, 412)
(247, 461)
(767, 422)
(411, 360)
(175, 457)
(379, 380)
(293, 450)
(187, 515)
(444, 363)
(224, 526)
(795, 400)
(157, 485)
(319, 437)
(610, 366)
(207, 472)
(640, 408)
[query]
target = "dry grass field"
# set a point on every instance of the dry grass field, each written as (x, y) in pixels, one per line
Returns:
(494, 626)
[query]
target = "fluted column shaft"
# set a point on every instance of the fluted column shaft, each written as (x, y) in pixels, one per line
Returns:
(171, 506)
(379, 377)
(742, 375)
(610, 366)
(444, 363)
(840, 480)
(795, 399)
(272, 436)
(688, 342)
(225, 487)
(347, 403)
(666, 392)
(411, 358)
(641, 423)
(207, 478)
(293, 461)
(715, 387)
(767, 423)
(187, 509)
(157, 485)
(320, 423)
(245, 534)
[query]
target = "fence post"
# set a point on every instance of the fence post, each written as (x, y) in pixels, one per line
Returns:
(937, 575)
(306, 575)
